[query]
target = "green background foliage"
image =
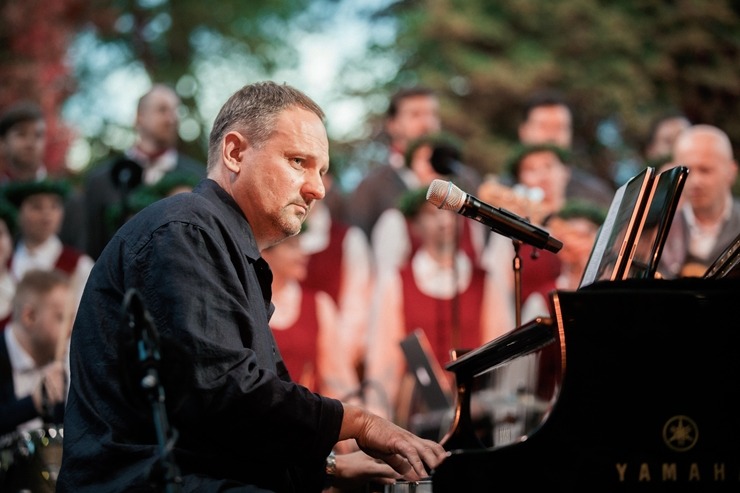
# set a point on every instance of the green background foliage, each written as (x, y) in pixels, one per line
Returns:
(620, 63)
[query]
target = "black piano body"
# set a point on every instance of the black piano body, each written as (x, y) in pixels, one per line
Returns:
(649, 378)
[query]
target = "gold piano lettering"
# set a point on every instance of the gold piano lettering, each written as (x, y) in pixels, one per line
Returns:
(621, 470)
(669, 472)
(719, 472)
(644, 472)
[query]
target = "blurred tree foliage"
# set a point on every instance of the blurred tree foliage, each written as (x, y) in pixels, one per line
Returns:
(620, 63)
(172, 39)
(34, 36)
(168, 39)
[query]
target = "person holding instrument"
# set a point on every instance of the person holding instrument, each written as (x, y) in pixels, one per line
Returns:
(32, 352)
(242, 424)
(33, 382)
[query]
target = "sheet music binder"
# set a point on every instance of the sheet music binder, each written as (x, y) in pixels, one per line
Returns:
(428, 373)
(662, 208)
(646, 197)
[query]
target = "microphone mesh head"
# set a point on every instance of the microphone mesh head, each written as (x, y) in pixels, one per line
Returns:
(445, 195)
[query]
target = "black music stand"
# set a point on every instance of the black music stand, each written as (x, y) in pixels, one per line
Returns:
(164, 473)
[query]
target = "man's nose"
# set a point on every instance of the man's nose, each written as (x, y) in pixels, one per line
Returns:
(314, 186)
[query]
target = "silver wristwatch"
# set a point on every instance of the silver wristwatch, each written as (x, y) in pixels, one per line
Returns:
(331, 464)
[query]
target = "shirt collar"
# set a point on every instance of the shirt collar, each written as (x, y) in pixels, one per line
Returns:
(20, 360)
(44, 256)
(236, 219)
(688, 212)
(439, 282)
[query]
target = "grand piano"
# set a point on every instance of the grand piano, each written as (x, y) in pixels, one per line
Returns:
(645, 381)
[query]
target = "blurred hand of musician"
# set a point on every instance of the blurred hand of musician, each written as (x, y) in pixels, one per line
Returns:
(494, 193)
(52, 388)
(356, 468)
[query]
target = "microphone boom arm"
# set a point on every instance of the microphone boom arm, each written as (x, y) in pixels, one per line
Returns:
(445, 195)
(511, 225)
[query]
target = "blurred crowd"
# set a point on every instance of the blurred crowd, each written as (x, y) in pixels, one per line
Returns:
(371, 267)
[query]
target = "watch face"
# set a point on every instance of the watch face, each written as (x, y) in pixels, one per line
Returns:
(331, 465)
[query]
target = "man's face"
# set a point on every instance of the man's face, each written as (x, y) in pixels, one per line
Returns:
(711, 171)
(416, 116)
(548, 125)
(48, 320)
(280, 179)
(24, 145)
(157, 121)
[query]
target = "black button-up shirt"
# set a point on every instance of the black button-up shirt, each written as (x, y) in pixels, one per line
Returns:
(239, 418)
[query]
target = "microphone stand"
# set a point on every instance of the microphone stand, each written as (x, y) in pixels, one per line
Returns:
(517, 266)
(165, 470)
(126, 175)
(125, 179)
(455, 315)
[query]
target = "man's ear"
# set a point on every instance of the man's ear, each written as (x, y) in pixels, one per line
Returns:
(28, 314)
(233, 148)
(733, 171)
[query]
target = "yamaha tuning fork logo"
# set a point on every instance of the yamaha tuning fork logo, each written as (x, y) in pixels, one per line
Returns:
(680, 433)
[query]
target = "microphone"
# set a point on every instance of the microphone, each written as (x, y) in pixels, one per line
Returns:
(126, 174)
(445, 195)
(445, 159)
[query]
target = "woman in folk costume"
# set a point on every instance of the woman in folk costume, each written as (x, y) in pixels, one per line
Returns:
(340, 264)
(440, 291)
(430, 157)
(40, 207)
(305, 326)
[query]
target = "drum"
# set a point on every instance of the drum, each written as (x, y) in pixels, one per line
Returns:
(423, 486)
(31, 461)
(7, 454)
